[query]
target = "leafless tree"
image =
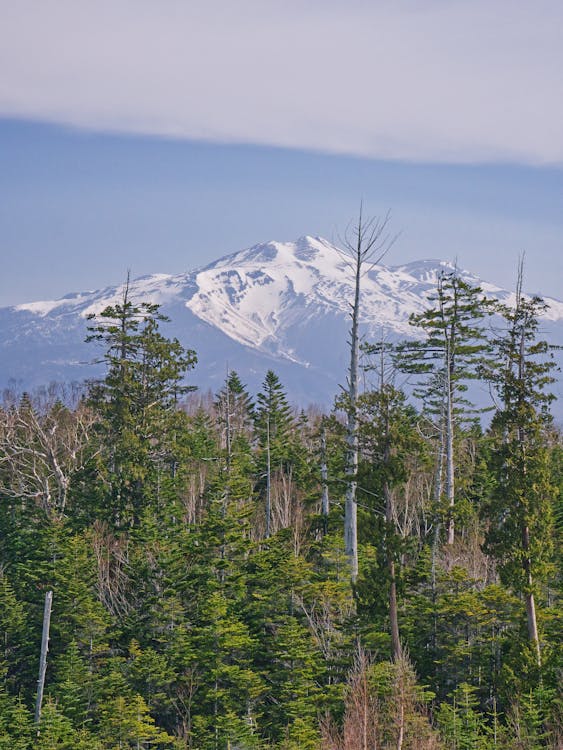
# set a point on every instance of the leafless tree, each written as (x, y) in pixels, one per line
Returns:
(41, 448)
(365, 244)
(392, 718)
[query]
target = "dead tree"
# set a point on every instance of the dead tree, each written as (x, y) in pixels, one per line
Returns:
(41, 449)
(364, 245)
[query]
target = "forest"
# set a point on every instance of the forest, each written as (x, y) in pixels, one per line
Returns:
(231, 572)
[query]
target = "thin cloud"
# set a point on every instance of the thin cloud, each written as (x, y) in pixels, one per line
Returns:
(431, 81)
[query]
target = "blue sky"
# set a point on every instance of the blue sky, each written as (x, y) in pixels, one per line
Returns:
(158, 137)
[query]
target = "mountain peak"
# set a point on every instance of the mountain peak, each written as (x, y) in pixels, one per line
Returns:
(275, 304)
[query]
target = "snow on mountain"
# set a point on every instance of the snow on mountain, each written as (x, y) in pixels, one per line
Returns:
(257, 296)
(279, 305)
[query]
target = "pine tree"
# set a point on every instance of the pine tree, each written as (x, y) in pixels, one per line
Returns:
(126, 723)
(17, 731)
(235, 411)
(13, 631)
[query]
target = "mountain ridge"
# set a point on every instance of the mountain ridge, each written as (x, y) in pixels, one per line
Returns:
(280, 305)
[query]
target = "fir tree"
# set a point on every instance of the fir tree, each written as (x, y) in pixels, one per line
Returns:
(451, 353)
(521, 503)
(273, 424)
(135, 400)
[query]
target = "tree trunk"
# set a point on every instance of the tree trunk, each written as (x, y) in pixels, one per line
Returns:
(450, 486)
(268, 481)
(43, 658)
(369, 246)
(393, 608)
(325, 502)
(351, 510)
(530, 602)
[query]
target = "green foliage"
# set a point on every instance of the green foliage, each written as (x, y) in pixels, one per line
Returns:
(455, 345)
(16, 725)
(520, 507)
(136, 402)
(12, 634)
(126, 722)
(461, 724)
(179, 623)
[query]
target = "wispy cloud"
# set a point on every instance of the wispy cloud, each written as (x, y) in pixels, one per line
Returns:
(436, 80)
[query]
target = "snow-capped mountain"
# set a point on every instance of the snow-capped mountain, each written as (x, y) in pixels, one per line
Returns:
(276, 305)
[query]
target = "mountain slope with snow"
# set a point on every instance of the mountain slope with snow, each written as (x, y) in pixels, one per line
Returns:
(279, 305)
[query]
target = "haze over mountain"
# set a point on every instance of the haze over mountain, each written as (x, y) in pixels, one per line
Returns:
(276, 305)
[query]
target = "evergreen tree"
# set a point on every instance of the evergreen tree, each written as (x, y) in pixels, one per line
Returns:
(13, 631)
(387, 435)
(520, 508)
(235, 411)
(235, 416)
(273, 424)
(461, 724)
(135, 401)
(17, 730)
(451, 353)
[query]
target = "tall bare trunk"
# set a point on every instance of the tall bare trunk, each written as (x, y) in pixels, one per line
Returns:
(530, 601)
(325, 502)
(450, 486)
(393, 611)
(351, 510)
(393, 607)
(268, 480)
(367, 246)
(43, 658)
(527, 562)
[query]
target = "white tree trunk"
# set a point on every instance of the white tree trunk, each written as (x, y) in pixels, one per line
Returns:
(268, 482)
(450, 481)
(325, 502)
(351, 509)
(43, 658)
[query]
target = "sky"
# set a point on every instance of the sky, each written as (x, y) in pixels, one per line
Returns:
(157, 137)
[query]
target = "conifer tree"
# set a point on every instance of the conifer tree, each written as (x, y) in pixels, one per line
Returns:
(521, 503)
(235, 411)
(235, 416)
(451, 353)
(135, 400)
(273, 424)
(387, 435)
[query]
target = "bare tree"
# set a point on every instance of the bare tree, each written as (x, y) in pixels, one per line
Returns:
(384, 709)
(40, 450)
(364, 245)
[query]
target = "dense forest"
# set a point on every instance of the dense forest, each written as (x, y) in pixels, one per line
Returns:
(211, 586)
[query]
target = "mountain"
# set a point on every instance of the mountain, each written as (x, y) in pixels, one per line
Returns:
(276, 305)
